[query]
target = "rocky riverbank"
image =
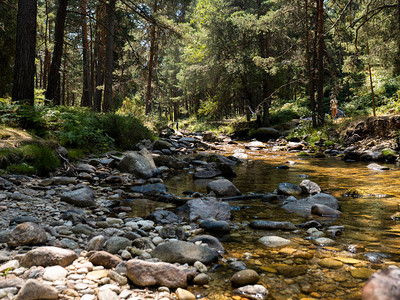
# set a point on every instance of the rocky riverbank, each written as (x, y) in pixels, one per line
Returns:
(73, 235)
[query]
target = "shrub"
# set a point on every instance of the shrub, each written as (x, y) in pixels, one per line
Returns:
(125, 130)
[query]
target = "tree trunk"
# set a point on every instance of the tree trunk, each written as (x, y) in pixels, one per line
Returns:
(397, 60)
(54, 74)
(46, 59)
(320, 87)
(24, 68)
(64, 80)
(99, 55)
(150, 63)
(311, 88)
(86, 93)
(107, 103)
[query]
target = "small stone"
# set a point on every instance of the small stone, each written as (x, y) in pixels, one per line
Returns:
(330, 263)
(245, 277)
(184, 294)
(54, 273)
(11, 265)
(361, 273)
(201, 279)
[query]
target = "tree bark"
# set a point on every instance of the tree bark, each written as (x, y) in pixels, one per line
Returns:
(320, 87)
(99, 55)
(54, 74)
(24, 69)
(150, 63)
(86, 93)
(109, 65)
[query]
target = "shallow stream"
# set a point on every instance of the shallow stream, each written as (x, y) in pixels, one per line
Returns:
(297, 271)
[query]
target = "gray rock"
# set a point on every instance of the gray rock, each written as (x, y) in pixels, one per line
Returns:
(164, 217)
(172, 232)
(310, 187)
(140, 164)
(48, 256)
(82, 229)
(253, 292)
(27, 234)
(272, 225)
(322, 241)
(150, 188)
(85, 168)
(35, 290)
(212, 225)
(223, 188)
(63, 180)
(211, 241)
(184, 252)
(144, 273)
(303, 206)
(107, 294)
(54, 273)
(201, 279)
(83, 197)
(116, 243)
(143, 243)
(5, 236)
(244, 277)
(96, 243)
(207, 173)
(289, 189)
(273, 241)
(4, 183)
(324, 210)
(161, 144)
(384, 284)
(198, 209)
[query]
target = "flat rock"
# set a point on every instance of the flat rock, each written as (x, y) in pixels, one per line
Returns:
(164, 217)
(48, 256)
(254, 292)
(83, 197)
(289, 189)
(325, 211)
(211, 241)
(144, 273)
(273, 241)
(272, 225)
(215, 226)
(377, 167)
(184, 252)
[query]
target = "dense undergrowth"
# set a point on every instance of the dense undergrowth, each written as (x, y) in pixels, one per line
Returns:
(80, 130)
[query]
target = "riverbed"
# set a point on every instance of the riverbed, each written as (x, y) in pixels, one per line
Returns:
(304, 270)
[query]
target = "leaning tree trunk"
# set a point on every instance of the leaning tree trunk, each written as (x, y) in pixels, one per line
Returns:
(109, 65)
(24, 68)
(54, 74)
(320, 87)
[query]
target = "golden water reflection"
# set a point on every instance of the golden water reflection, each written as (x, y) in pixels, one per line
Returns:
(367, 221)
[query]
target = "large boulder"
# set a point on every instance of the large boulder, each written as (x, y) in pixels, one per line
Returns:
(266, 133)
(48, 256)
(302, 207)
(309, 187)
(139, 163)
(144, 273)
(35, 290)
(184, 252)
(27, 233)
(83, 197)
(223, 188)
(198, 209)
(384, 284)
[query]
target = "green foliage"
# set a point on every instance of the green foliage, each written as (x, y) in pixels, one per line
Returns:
(287, 112)
(305, 131)
(33, 159)
(125, 130)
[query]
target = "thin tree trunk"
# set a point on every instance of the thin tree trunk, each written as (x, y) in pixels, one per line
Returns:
(320, 87)
(150, 62)
(109, 65)
(54, 74)
(371, 83)
(46, 51)
(86, 93)
(64, 80)
(24, 68)
(99, 55)
(311, 89)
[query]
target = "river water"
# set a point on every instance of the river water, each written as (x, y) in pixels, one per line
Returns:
(297, 271)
